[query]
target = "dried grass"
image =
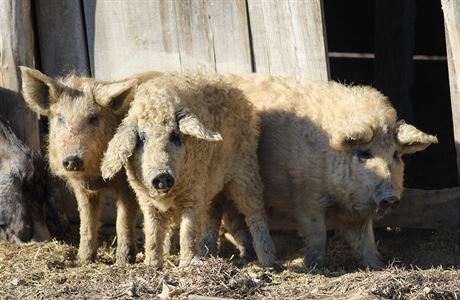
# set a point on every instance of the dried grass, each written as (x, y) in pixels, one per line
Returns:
(49, 270)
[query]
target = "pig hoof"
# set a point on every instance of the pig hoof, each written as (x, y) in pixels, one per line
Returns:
(276, 267)
(267, 261)
(376, 266)
(155, 263)
(123, 258)
(85, 260)
(314, 263)
(185, 262)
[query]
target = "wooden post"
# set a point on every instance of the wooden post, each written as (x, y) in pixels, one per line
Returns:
(451, 10)
(62, 37)
(289, 38)
(17, 48)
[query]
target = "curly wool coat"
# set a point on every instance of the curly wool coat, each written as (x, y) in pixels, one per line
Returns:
(168, 130)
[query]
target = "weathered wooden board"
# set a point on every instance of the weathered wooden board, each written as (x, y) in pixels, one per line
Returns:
(204, 35)
(418, 209)
(289, 39)
(62, 37)
(16, 49)
(213, 36)
(126, 37)
(451, 10)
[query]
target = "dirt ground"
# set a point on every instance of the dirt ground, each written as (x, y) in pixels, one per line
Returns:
(422, 264)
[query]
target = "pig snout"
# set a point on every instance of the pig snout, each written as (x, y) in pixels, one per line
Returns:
(163, 182)
(73, 163)
(389, 202)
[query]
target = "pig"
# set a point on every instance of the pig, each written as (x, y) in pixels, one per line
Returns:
(83, 114)
(178, 166)
(330, 155)
(22, 190)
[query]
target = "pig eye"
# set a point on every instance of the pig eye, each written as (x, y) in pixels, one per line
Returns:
(141, 139)
(364, 155)
(175, 139)
(60, 118)
(93, 118)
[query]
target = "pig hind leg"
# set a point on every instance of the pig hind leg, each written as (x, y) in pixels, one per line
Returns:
(237, 231)
(210, 229)
(245, 189)
(127, 211)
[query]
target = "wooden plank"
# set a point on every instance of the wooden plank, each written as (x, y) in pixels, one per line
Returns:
(62, 37)
(418, 209)
(126, 38)
(288, 38)
(451, 10)
(425, 209)
(394, 47)
(230, 29)
(213, 36)
(202, 35)
(16, 49)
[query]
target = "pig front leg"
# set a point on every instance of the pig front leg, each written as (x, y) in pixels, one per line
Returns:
(189, 227)
(361, 238)
(312, 226)
(155, 224)
(127, 210)
(89, 206)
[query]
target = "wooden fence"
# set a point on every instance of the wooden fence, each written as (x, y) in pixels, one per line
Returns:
(111, 39)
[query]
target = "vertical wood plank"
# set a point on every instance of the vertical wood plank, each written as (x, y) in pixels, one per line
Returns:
(213, 36)
(230, 30)
(451, 10)
(203, 35)
(289, 38)
(126, 37)
(62, 37)
(17, 48)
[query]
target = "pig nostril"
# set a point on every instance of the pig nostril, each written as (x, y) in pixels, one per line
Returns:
(163, 181)
(389, 202)
(72, 163)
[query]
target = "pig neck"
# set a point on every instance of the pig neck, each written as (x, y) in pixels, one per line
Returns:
(93, 183)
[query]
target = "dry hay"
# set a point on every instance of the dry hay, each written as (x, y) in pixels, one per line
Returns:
(49, 270)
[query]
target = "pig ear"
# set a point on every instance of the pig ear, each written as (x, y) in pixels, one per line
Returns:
(348, 137)
(120, 148)
(412, 139)
(190, 125)
(115, 94)
(39, 90)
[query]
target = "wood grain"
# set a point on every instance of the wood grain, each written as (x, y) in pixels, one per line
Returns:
(16, 49)
(451, 10)
(198, 35)
(288, 38)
